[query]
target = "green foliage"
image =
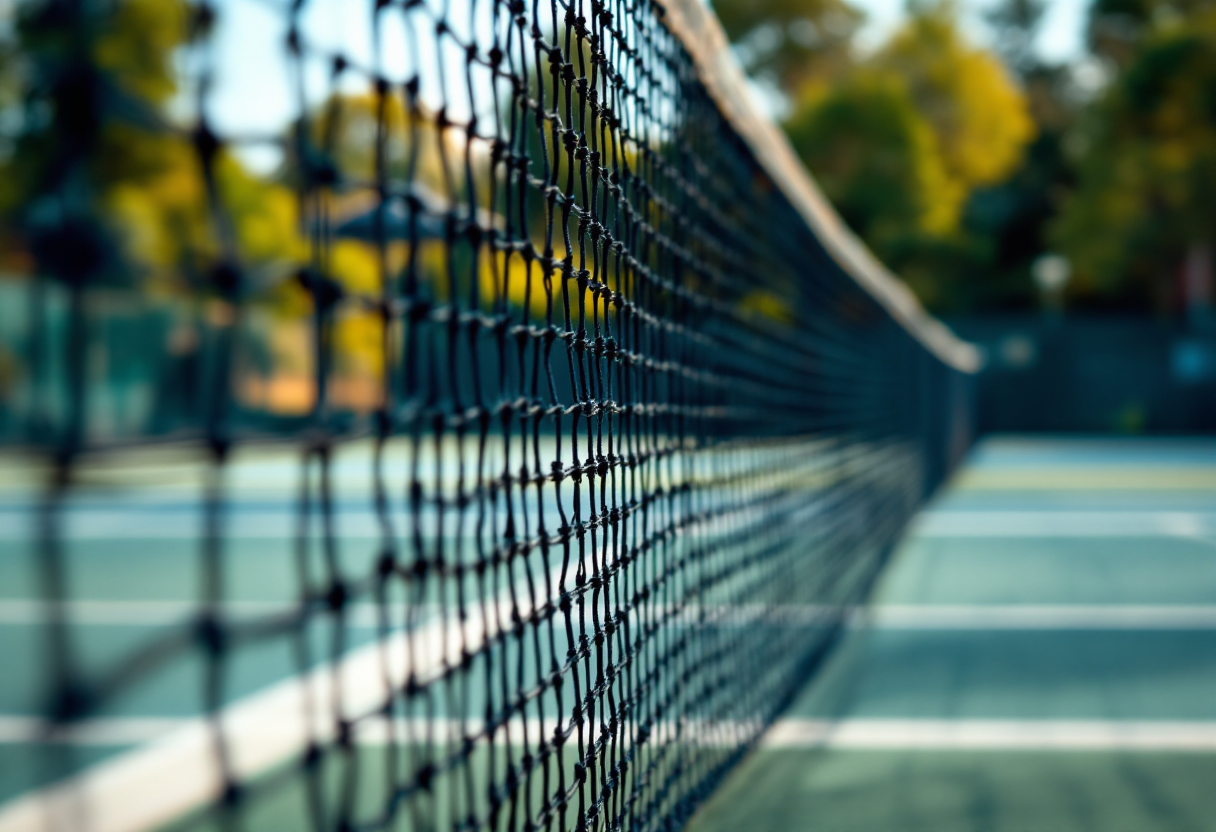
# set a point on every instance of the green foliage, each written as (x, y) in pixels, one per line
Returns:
(904, 141)
(877, 159)
(1149, 167)
(91, 105)
(792, 43)
(960, 167)
(978, 114)
(1117, 28)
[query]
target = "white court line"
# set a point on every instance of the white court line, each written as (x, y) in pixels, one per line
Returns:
(266, 728)
(352, 524)
(880, 617)
(1036, 617)
(138, 613)
(994, 734)
(996, 524)
(127, 612)
(848, 733)
(263, 730)
(371, 731)
(149, 522)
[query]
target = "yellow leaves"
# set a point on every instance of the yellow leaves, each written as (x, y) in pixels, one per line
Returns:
(349, 125)
(167, 224)
(942, 197)
(137, 45)
(766, 305)
(358, 343)
(993, 124)
(902, 141)
(264, 216)
(356, 266)
(161, 217)
(877, 158)
(505, 277)
(978, 114)
(1173, 155)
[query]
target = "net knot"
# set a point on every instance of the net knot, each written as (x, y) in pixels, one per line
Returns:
(211, 634)
(71, 701)
(387, 564)
(336, 598)
(325, 291)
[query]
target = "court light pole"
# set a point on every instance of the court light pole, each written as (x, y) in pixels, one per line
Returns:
(1051, 273)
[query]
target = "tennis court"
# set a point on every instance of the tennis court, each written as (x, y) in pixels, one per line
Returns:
(132, 543)
(1040, 655)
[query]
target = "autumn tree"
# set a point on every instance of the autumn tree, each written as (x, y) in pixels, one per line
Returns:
(903, 142)
(877, 159)
(95, 85)
(978, 115)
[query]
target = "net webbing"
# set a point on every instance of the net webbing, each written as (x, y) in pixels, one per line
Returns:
(592, 442)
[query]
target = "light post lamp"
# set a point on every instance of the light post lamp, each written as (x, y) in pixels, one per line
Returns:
(1051, 273)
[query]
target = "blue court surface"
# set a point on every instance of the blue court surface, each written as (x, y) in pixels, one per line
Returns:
(1040, 655)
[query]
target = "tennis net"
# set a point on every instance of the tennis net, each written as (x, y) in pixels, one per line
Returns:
(438, 414)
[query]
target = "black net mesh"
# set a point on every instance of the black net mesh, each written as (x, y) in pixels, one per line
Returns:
(590, 446)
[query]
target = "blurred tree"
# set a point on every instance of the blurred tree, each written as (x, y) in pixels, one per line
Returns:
(1016, 25)
(791, 42)
(1141, 224)
(1012, 215)
(96, 158)
(877, 159)
(904, 141)
(1116, 28)
(89, 119)
(975, 109)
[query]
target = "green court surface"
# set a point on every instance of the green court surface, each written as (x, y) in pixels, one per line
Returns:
(1040, 656)
(965, 791)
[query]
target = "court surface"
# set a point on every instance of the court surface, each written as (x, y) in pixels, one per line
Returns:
(1040, 656)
